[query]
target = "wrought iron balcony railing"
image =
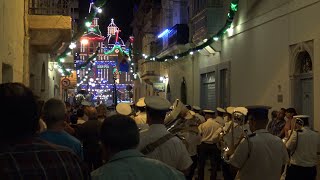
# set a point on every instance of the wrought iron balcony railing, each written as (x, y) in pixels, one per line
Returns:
(177, 35)
(50, 7)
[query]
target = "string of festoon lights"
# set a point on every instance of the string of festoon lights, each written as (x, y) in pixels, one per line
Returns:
(60, 59)
(191, 51)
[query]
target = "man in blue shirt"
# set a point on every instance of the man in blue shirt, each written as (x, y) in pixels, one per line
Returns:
(54, 113)
(120, 137)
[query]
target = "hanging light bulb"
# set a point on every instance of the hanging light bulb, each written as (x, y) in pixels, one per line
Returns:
(84, 41)
(191, 53)
(99, 10)
(88, 24)
(176, 57)
(72, 45)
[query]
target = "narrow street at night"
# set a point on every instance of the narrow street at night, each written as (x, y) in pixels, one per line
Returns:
(159, 89)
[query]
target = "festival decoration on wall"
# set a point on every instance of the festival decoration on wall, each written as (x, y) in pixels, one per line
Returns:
(230, 17)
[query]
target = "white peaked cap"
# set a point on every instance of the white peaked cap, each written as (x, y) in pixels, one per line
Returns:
(221, 110)
(141, 103)
(230, 110)
(197, 108)
(157, 103)
(124, 109)
(242, 110)
(208, 111)
(301, 116)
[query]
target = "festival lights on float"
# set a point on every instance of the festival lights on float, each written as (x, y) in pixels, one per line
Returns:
(60, 59)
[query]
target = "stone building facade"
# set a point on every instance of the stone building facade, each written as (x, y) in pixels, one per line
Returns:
(269, 56)
(32, 34)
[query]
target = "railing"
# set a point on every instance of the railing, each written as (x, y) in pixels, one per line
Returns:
(50, 7)
(178, 35)
(157, 47)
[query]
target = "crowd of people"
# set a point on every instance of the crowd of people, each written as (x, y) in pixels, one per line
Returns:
(151, 139)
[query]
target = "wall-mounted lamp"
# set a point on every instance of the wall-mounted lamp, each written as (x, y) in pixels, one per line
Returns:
(164, 79)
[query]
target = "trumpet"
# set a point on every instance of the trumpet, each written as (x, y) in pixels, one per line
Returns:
(233, 134)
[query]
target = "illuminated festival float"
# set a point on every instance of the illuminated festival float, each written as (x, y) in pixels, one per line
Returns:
(107, 77)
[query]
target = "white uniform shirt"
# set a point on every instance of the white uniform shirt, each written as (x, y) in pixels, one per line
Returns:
(210, 131)
(173, 152)
(201, 118)
(305, 153)
(220, 120)
(141, 121)
(193, 139)
(238, 134)
(267, 154)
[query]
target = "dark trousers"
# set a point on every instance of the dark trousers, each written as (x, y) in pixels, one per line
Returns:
(93, 158)
(192, 167)
(229, 172)
(212, 152)
(295, 172)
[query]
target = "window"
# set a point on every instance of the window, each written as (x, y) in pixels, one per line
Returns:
(7, 73)
(208, 90)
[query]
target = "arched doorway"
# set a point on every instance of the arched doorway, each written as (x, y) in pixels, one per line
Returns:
(302, 82)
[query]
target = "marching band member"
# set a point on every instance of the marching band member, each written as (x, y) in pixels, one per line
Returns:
(260, 155)
(192, 139)
(209, 132)
(219, 117)
(157, 142)
(303, 147)
(141, 116)
(197, 110)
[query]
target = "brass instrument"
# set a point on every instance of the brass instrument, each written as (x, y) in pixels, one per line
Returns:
(237, 123)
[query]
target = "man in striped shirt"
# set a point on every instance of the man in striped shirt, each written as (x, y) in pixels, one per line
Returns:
(22, 155)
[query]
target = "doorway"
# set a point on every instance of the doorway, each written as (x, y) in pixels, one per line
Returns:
(303, 84)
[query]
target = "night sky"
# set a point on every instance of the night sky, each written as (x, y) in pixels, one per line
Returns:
(120, 10)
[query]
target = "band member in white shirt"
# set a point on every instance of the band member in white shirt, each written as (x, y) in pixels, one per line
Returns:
(303, 147)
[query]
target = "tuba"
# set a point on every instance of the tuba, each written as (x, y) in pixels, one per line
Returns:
(180, 121)
(174, 121)
(233, 134)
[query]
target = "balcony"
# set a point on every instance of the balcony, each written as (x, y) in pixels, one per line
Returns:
(150, 71)
(49, 24)
(177, 35)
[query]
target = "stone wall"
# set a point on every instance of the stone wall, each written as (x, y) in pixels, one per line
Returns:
(12, 36)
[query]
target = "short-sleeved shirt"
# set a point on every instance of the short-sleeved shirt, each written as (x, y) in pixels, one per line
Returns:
(305, 152)
(260, 157)
(275, 127)
(210, 131)
(173, 152)
(38, 159)
(131, 164)
(62, 138)
(237, 135)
